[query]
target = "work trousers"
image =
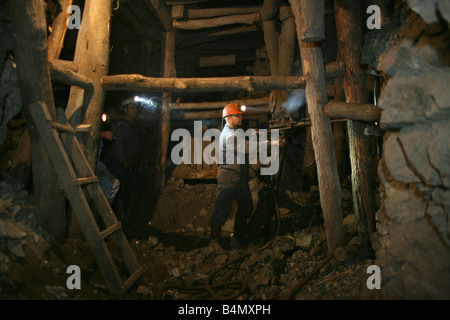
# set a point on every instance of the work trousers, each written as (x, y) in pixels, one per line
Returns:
(224, 202)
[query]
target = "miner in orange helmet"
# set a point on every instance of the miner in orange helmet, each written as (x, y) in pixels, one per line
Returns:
(232, 181)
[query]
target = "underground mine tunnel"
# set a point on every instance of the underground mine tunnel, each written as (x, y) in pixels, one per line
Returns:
(115, 125)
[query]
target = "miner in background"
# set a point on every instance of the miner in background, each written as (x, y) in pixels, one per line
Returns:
(126, 159)
(232, 181)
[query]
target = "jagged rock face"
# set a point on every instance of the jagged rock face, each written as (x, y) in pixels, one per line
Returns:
(412, 242)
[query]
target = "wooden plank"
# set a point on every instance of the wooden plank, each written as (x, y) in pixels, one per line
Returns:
(59, 28)
(313, 23)
(232, 31)
(219, 104)
(178, 2)
(110, 230)
(131, 82)
(69, 77)
(334, 69)
(217, 114)
(168, 67)
(63, 128)
(162, 12)
(216, 12)
(92, 60)
(64, 64)
(133, 278)
(178, 12)
(353, 111)
(321, 131)
(30, 53)
(199, 24)
(350, 39)
(75, 195)
(85, 181)
(268, 11)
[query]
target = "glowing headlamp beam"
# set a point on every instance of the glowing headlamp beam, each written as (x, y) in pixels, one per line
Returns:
(146, 103)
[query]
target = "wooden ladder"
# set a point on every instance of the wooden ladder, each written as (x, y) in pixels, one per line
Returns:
(78, 180)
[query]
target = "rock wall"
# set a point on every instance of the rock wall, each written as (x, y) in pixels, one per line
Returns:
(412, 242)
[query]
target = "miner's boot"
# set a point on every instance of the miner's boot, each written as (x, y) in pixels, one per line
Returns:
(215, 233)
(216, 238)
(239, 237)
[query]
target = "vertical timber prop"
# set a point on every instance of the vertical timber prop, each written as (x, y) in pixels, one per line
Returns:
(92, 61)
(169, 72)
(59, 28)
(322, 135)
(350, 42)
(30, 51)
(268, 12)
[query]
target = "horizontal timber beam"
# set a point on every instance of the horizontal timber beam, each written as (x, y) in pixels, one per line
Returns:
(179, 12)
(217, 114)
(199, 24)
(61, 74)
(353, 111)
(137, 82)
(220, 104)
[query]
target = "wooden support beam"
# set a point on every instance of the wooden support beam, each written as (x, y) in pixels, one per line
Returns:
(217, 114)
(237, 30)
(219, 104)
(179, 2)
(92, 60)
(268, 12)
(198, 24)
(286, 45)
(353, 111)
(347, 16)
(126, 16)
(313, 23)
(30, 52)
(136, 82)
(322, 134)
(334, 69)
(179, 12)
(59, 28)
(61, 74)
(163, 13)
(168, 71)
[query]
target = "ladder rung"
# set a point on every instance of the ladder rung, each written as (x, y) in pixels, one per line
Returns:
(132, 279)
(110, 230)
(83, 128)
(63, 128)
(87, 180)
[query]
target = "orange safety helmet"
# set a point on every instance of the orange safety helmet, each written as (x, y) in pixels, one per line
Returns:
(231, 109)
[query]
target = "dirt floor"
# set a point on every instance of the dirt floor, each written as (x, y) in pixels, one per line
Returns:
(169, 235)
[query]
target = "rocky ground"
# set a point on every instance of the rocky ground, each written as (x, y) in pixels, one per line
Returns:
(170, 238)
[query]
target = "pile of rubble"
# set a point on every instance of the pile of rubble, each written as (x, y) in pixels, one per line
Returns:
(199, 270)
(269, 272)
(179, 260)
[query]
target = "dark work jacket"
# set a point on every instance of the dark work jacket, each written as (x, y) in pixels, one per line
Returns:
(231, 173)
(127, 145)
